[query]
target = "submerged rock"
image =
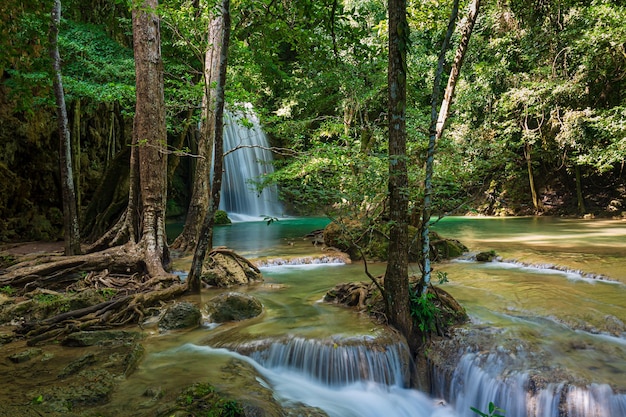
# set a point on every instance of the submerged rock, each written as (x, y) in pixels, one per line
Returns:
(182, 315)
(487, 256)
(233, 306)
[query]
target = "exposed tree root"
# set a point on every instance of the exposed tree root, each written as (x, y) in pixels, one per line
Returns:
(117, 272)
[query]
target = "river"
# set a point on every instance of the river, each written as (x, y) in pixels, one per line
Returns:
(553, 307)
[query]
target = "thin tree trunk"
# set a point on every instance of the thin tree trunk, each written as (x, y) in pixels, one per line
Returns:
(70, 211)
(537, 204)
(430, 155)
(76, 149)
(199, 202)
(455, 71)
(437, 130)
(150, 134)
(396, 274)
(205, 240)
(579, 191)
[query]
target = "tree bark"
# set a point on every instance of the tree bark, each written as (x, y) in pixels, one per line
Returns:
(455, 71)
(70, 211)
(199, 202)
(396, 274)
(205, 239)
(438, 123)
(579, 191)
(537, 204)
(150, 134)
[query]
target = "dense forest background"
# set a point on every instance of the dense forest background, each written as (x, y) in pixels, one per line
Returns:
(538, 125)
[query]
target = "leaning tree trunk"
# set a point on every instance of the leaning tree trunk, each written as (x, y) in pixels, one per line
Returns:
(396, 274)
(537, 204)
(205, 239)
(199, 202)
(70, 211)
(150, 135)
(438, 123)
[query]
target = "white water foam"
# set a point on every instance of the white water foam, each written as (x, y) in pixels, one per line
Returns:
(572, 274)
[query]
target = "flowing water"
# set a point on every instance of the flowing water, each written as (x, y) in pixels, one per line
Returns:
(247, 160)
(546, 339)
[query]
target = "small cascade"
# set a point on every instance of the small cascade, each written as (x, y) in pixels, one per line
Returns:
(345, 380)
(483, 378)
(339, 362)
(325, 260)
(248, 163)
(573, 274)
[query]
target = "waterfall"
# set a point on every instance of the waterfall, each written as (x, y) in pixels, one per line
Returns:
(249, 163)
(480, 379)
(342, 362)
(313, 381)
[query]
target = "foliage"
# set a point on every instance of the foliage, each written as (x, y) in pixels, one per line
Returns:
(8, 290)
(221, 217)
(494, 411)
(424, 312)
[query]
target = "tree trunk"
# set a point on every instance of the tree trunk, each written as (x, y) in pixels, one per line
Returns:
(76, 148)
(438, 123)
(455, 71)
(396, 274)
(150, 134)
(537, 204)
(205, 239)
(430, 154)
(70, 211)
(199, 202)
(579, 191)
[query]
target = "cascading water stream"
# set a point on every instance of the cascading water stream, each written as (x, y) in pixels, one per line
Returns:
(547, 337)
(249, 162)
(341, 380)
(484, 378)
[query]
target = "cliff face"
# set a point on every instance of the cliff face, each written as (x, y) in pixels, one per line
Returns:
(30, 196)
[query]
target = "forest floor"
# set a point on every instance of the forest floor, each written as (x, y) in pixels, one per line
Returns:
(76, 374)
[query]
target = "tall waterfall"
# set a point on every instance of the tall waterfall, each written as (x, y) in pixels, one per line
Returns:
(248, 163)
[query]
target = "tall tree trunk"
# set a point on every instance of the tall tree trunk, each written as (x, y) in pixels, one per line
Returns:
(438, 122)
(537, 204)
(150, 134)
(70, 211)
(396, 274)
(199, 202)
(76, 148)
(205, 239)
(579, 191)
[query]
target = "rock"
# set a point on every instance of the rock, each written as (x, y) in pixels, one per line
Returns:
(182, 315)
(101, 338)
(487, 256)
(233, 306)
(224, 268)
(25, 355)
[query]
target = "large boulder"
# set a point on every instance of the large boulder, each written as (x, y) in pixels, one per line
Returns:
(374, 242)
(182, 315)
(225, 268)
(233, 306)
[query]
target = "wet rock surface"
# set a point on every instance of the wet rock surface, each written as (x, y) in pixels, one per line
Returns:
(181, 315)
(233, 306)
